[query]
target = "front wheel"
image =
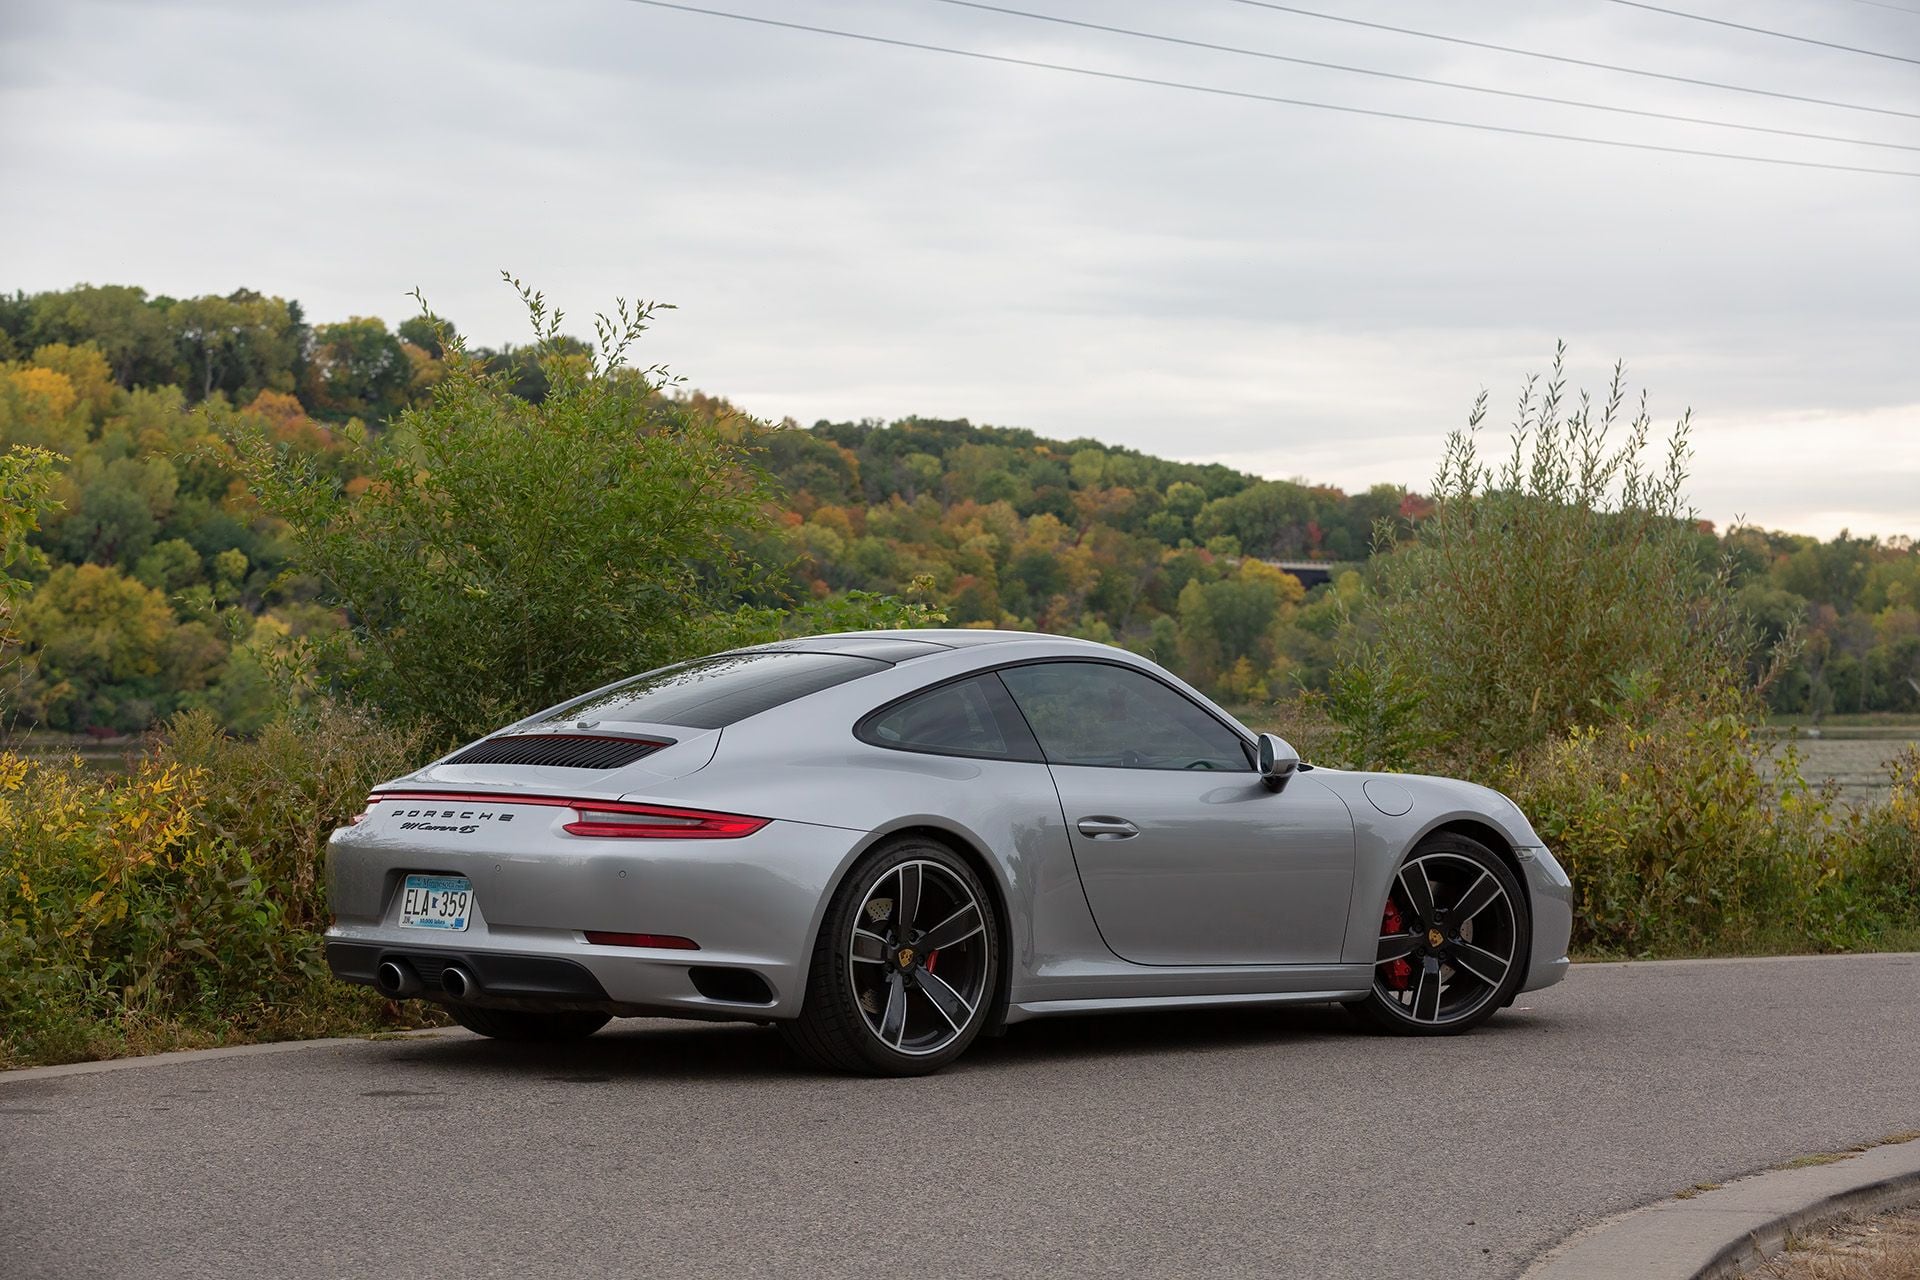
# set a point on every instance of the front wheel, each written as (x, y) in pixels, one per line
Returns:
(1454, 938)
(904, 969)
(522, 1025)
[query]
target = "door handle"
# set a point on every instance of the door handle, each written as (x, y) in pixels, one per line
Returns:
(1107, 829)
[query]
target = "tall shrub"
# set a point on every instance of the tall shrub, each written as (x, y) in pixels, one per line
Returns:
(503, 554)
(1567, 586)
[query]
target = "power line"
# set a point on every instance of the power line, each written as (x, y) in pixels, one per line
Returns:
(1248, 96)
(1764, 31)
(1575, 62)
(1897, 8)
(1411, 79)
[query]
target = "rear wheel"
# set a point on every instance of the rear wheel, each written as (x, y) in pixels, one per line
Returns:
(524, 1025)
(904, 968)
(1454, 938)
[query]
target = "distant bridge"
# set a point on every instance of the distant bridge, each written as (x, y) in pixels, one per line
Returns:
(1314, 572)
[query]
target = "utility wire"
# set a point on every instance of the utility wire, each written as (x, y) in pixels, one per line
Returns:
(1764, 31)
(1410, 79)
(1248, 96)
(1897, 8)
(1575, 62)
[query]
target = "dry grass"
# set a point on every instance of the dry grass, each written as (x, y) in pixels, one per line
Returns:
(1807, 1162)
(1879, 1247)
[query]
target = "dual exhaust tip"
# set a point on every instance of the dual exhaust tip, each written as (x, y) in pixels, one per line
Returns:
(397, 979)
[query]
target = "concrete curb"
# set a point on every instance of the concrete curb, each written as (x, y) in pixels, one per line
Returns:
(184, 1056)
(1715, 1233)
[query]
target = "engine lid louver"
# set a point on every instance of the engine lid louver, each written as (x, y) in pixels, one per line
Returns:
(559, 750)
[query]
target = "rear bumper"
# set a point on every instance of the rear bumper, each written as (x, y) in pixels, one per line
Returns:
(753, 906)
(625, 986)
(500, 976)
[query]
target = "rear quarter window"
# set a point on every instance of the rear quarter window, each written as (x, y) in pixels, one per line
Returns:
(972, 717)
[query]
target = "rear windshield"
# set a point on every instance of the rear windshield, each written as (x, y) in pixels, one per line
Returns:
(712, 693)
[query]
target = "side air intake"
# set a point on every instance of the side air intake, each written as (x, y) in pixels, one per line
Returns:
(559, 751)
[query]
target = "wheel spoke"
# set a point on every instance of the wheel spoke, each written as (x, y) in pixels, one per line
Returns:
(1481, 963)
(906, 1007)
(945, 999)
(1476, 899)
(958, 927)
(1426, 996)
(1395, 945)
(907, 905)
(893, 1022)
(1419, 891)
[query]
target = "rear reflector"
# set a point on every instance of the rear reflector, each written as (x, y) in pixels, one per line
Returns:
(656, 822)
(665, 941)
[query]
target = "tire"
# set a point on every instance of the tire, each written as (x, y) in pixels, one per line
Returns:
(521, 1025)
(865, 960)
(1439, 974)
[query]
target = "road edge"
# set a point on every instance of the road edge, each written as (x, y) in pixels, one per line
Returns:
(183, 1056)
(1712, 1233)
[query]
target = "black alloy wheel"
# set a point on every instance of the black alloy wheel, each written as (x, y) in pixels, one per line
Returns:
(903, 972)
(1454, 940)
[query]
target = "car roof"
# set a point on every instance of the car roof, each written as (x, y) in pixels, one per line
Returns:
(901, 646)
(968, 637)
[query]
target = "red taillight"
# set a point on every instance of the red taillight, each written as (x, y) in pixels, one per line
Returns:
(656, 822)
(617, 819)
(665, 941)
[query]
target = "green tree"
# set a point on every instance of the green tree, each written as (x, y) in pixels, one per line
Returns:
(26, 493)
(1230, 629)
(241, 344)
(1268, 519)
(121, 507)
(357, 370)
(128, 328)
(107, 652)
(170, 567)
(506, 555)
(429, 334)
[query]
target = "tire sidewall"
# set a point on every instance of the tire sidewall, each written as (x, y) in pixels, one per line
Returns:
(832, 980)
(1387, 1015)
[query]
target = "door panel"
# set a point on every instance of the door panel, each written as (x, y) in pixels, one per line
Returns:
(1217, 869)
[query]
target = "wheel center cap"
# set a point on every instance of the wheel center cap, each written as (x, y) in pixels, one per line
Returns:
(904, 957)
(1435, 937)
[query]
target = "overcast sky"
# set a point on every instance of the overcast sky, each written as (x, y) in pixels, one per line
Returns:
(851, 230)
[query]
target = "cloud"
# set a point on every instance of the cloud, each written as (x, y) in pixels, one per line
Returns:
(855, 231)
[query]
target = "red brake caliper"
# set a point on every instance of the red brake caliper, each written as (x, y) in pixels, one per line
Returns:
(1399, 973)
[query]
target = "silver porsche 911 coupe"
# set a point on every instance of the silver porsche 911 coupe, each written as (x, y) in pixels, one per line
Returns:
(887, 843)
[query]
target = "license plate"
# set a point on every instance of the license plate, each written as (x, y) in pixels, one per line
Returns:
(436, 902)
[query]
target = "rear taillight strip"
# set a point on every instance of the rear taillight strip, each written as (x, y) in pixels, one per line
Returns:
(607, 819)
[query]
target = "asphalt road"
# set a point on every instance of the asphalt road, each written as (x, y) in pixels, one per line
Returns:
(1272, 1143)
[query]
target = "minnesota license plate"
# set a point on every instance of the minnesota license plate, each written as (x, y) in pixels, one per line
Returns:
(436, 902)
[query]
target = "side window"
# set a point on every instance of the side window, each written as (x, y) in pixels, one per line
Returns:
(966, 718)
(1095, 713)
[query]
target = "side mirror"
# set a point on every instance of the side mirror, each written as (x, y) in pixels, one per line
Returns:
(1278, 760)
